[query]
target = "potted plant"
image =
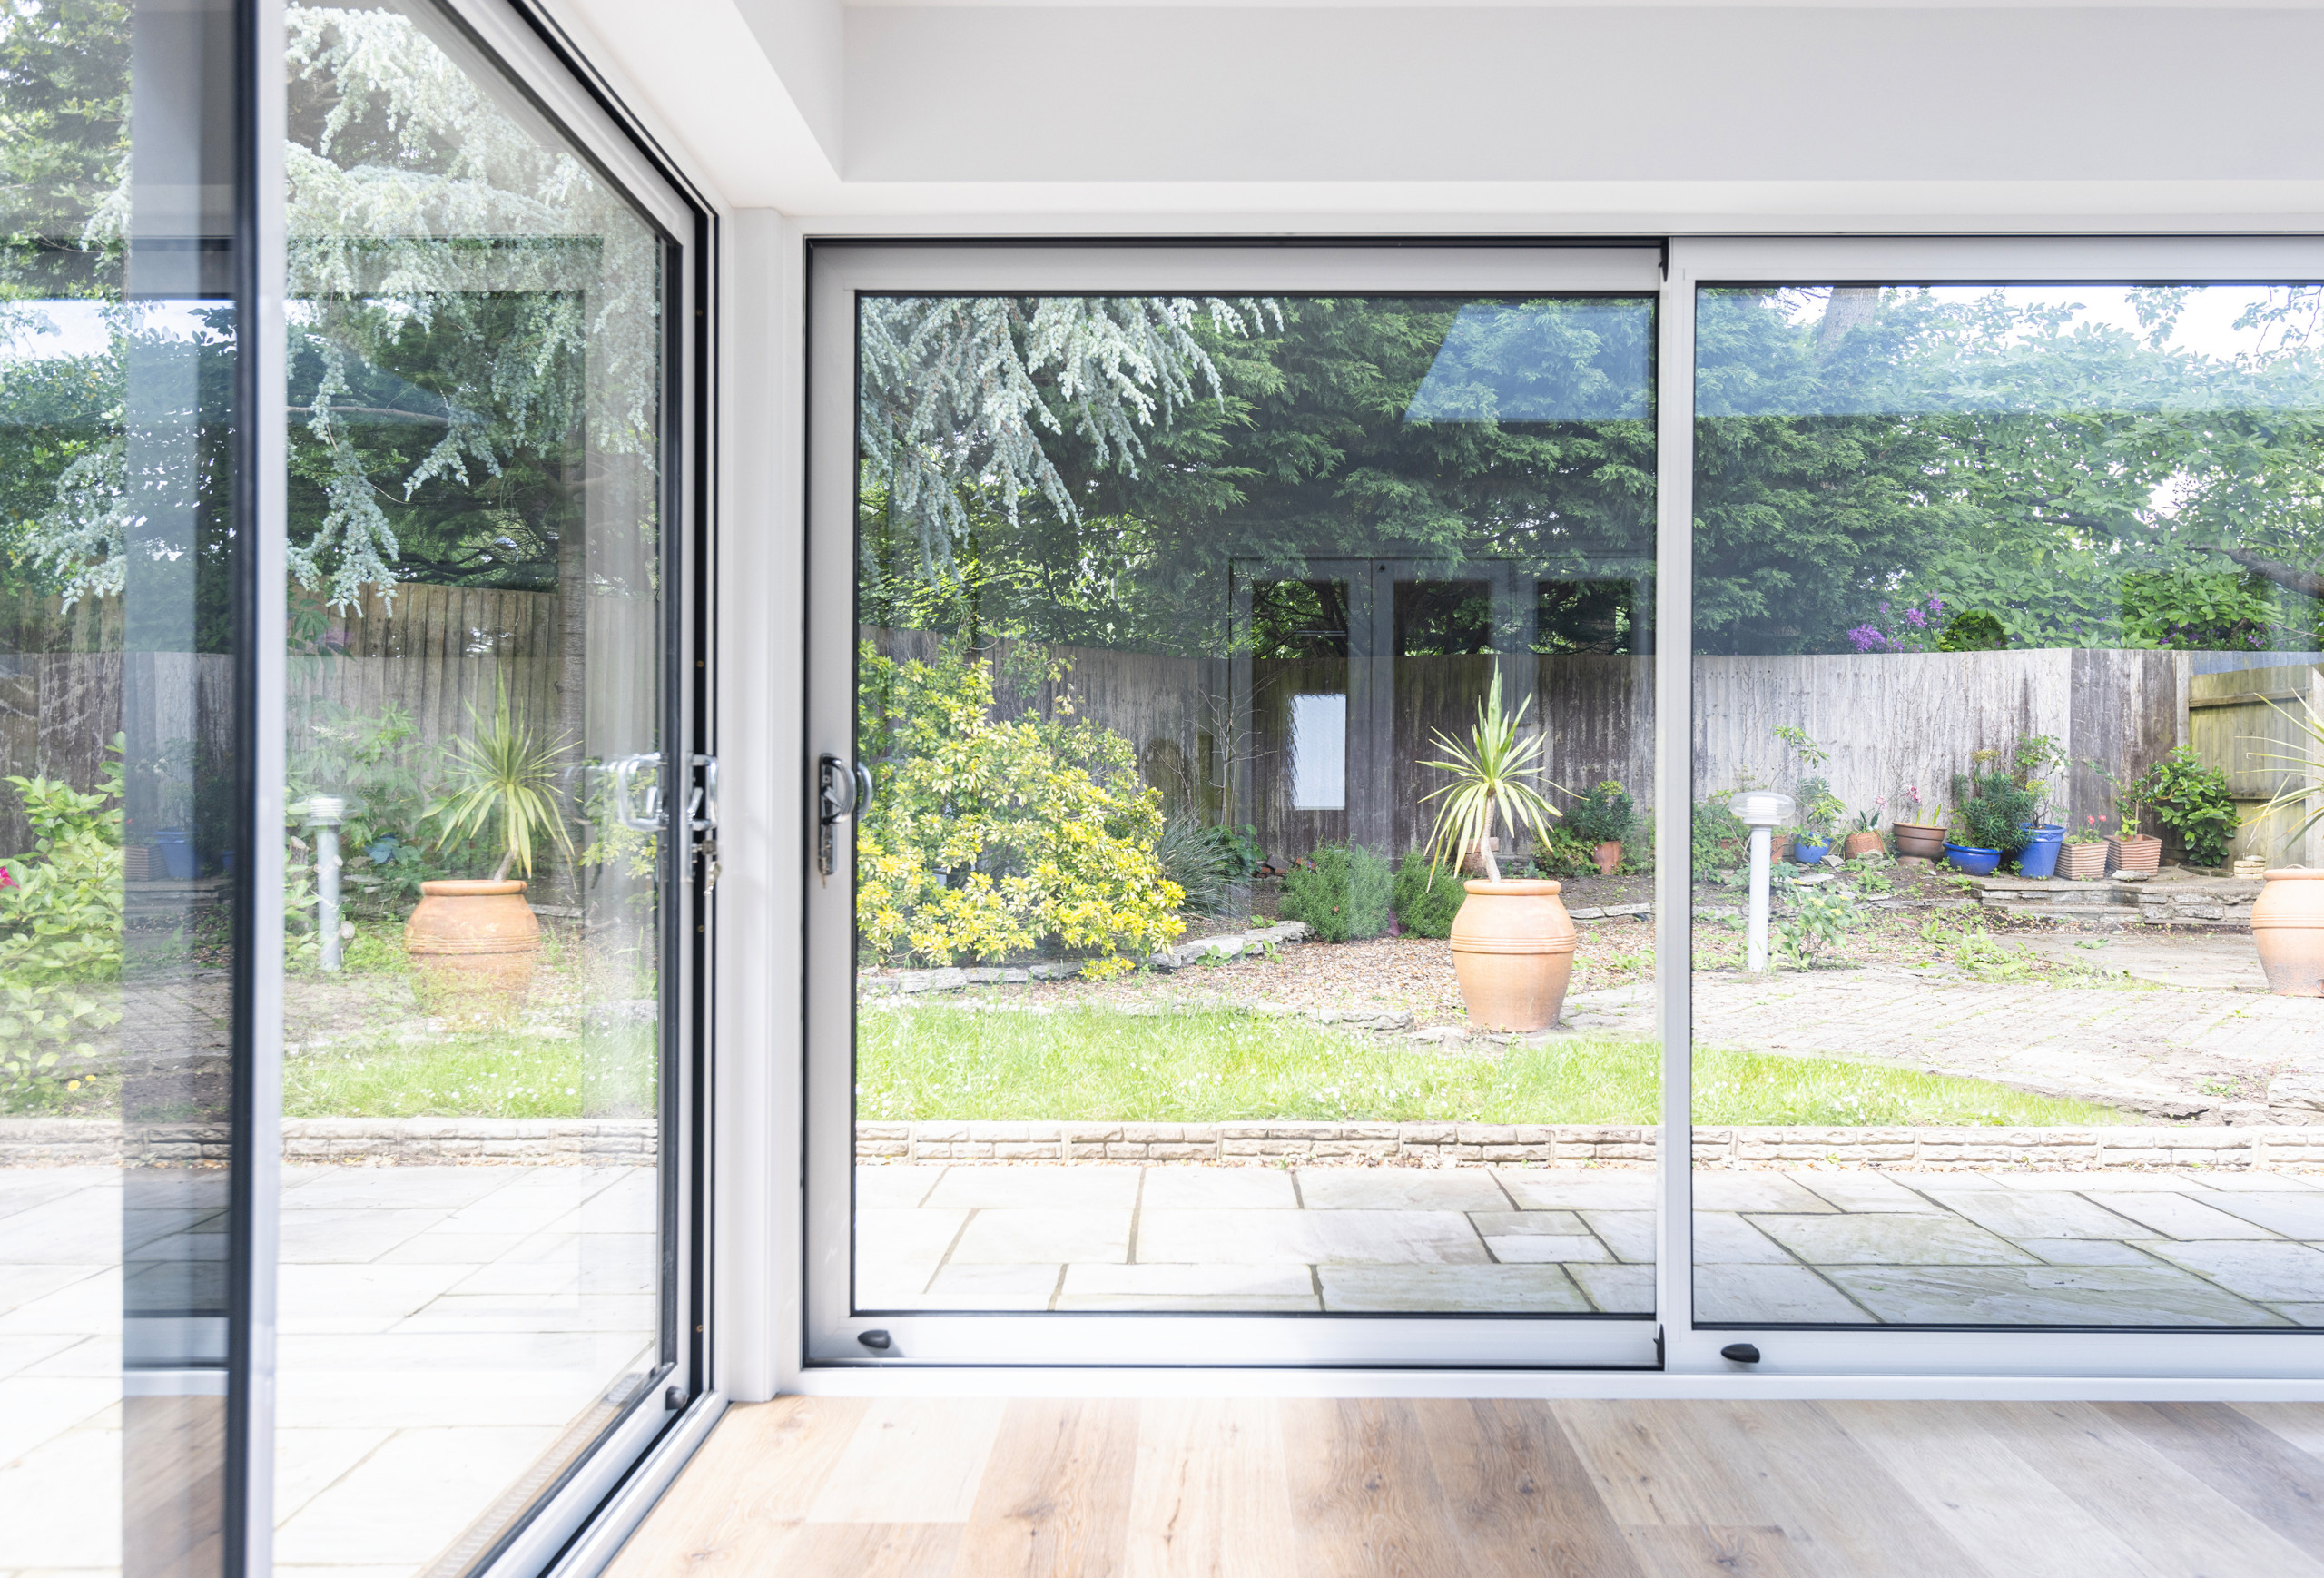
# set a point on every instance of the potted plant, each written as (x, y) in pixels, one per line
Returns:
(1992, 811)
(1512, 941)
(2192, 800)
(2082, 856)
(1919, 839)
(2288, 917)
(2128, 848)
(1603, 819)
(475, 939)
(1864, 838)
(1820, 808)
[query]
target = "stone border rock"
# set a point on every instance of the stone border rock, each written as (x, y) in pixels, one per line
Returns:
(555, 1141)
(1228, 945)
(1479, 1144)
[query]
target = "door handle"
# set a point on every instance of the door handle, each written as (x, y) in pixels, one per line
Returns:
(702, 802)
(844, 790)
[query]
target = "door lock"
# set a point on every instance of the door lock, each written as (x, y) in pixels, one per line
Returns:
(843, 791)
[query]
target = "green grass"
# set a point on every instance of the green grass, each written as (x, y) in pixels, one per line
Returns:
(1204, 1067)
(512, 1074)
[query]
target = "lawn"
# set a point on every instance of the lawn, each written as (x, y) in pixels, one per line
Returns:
(523, 1073)
(1215, 1065)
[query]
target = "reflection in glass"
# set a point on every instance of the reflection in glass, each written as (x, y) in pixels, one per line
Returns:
(1164, 605)
(2014, 592)
(471, 1278)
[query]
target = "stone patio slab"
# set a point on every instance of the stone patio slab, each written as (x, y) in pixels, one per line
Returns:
(970, 1286)
(2274, 1270)
(1864, 1191)
(1217, 1188)
(2178, 1215)
(1581, 1189)
(1546, 1249)
(1420, 1238)
(1771, 1293)
(1755, 1191)
(1617, 1289)
(2295, 1216)
(1724, 1239)
(896, 1252)
(1484, 1289)
(1505, 1223)
(2113, 1183)
(1891, 1240)
(2017, 1296)
(2015, 1215)
(2086, 1251)
(1005, 1237)
(1156, 1280)
(1399, 1189)
(1630, 1234)
(1032, 1186)
(896, 1187)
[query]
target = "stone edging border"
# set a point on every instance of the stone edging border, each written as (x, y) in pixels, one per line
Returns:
(568, 1141)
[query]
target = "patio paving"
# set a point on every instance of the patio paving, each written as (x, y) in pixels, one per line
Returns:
(440, 1327)
(2089, 1248)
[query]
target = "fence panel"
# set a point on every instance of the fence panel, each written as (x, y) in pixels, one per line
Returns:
(2237, 720)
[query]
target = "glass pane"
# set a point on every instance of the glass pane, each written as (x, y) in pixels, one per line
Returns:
(471, 1278)
(120, 815)
(2007, 701)
(1168, 612)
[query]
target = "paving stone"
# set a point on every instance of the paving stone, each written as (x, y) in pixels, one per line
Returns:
(1864, 1191)
(897, 1251)
(1578, 1189)
(1467, 1289)
(2086, 1252)
(1754, 1191)
(1217, 1188)
(969, 1287)
(1890, 1240)
(1315, 1238)
(2178, 1216)
(2295, 1216)
(2111, 1181)
(1617, 1289)
(1005, 1237)
(1033, 1185)
(1504, 1224)
(2015, 1295)
(1546, 1249)
(2022, 1216)
(1770, 1292)
(1367, 1189)
(1724, 1239)
(1630, 1234)
(2254, 1181)
(2301, 1314)
(898, 1187)
(2269, 1270)
(1155, 1280)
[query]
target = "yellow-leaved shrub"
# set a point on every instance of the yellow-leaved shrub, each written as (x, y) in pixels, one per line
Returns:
(990, 838)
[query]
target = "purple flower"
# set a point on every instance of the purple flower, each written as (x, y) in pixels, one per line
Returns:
(1918, 620)
(1868, 639)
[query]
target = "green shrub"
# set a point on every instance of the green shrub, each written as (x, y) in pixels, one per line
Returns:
(1991, 810)
(1606, 814)
(1347, 894)
(2193, 799)
(1197, 858)
(60, 941)
(1972, 631)
(1722, 840)
(1427, 900)
(1821, 918)
(1564, 855)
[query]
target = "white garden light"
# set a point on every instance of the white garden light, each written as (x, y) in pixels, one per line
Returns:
(324, 814)
(1761, 810)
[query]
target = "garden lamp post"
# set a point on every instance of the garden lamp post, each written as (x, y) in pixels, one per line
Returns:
(324, 814)
(1760, 810)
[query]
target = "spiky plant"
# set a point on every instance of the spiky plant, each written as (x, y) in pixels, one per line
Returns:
(1491, 782)
(501, 774)
(2308, 765)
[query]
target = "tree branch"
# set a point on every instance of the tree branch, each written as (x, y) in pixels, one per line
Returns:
(2306, 583)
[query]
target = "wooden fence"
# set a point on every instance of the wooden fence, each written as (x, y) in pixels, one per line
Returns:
(2237, 720)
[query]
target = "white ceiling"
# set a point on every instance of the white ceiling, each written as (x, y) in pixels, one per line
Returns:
(1354, 117)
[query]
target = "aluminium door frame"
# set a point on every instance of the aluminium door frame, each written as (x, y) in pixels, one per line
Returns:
(1809, 1353)
(838, 271)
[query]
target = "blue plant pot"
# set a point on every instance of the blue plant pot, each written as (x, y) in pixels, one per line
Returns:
(1971, 861)
(2039, 858)
(1807, 853)
(176, 848)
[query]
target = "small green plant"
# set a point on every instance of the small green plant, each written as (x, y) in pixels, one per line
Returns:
(1491, 785)
(1810, 754)
(1721, 840)
(2129, 799)
(1972, 631)
(1992, 809)
(1347, 894)
(1606, 814)
(1871, 881)
(501, 776)
(2094, 830)
(2305, 781)
(1426, 898)
(1200, 860)
(2193, 799)
(1820, 920)
(1818, 811)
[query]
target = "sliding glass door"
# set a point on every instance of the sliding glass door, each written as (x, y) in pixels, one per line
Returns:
(1181, 584)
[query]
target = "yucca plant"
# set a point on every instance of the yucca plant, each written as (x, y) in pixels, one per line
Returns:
(2309, 764)
(502, 775)
(1491, 783)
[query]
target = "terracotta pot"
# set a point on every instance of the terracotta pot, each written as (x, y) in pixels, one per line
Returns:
(2288, 929)
(2082, 863)
(474, 943)
(1609, 856)
(1474, 861)
(1859, 844)
(1512, 949)
(1925, 839)
(2142, 853)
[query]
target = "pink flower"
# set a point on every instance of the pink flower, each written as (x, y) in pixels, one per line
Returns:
(5, 880)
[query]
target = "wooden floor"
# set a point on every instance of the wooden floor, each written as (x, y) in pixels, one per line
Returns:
(944, 1488)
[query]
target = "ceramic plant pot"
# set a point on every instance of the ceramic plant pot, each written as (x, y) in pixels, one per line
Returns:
(1914, 838)
(2082, 863)
(1609, 856)
(2039, 859)
(2287, 930)
(1512, 949)
(1971, 861)
(1810, 851)
(1857, 845)
(2142, 853)
(473, 944)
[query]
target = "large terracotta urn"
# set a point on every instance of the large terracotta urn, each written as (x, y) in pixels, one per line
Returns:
(2287, 928)
(473, 944)
(1512, 949)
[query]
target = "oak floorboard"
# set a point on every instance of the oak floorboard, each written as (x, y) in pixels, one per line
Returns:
(745, 1492)
(2178, 1523)
(1516, 1493)
(868, 1550)
(1995, 1502)
(1364, 1496)
(2245, 1461)
(1701, 1551)
(1652, 1467)
(1055, 1501)
(1210, 1497)
(2300, 1423)
(911, 1460)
